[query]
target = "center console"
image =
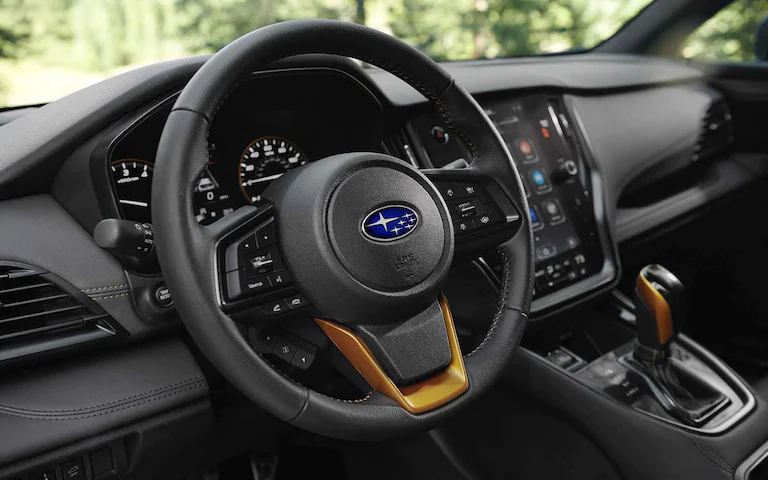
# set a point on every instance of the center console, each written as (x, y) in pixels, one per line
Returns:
(573, 252)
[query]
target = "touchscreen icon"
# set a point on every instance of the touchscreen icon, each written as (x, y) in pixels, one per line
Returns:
(525, 147)
(553, 211)
(536, 223)
(540, 181)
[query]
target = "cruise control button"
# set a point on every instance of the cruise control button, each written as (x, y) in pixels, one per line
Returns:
(279, 279)
(266, 235)
(285, 350)
(303, 358)
(274, 309)
(297, 301)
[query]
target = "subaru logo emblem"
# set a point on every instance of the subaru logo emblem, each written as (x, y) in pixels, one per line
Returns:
(390, 223)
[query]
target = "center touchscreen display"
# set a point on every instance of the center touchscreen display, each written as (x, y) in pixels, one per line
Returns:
(534, 135)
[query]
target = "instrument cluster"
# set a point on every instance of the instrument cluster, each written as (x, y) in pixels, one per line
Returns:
(273, 122)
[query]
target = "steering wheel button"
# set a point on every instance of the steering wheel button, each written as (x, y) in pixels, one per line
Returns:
(266, 235)
(275, 308)
(279, 279)
(234, 290)
(285, 350)
(464, 227)
(297, 301)
(448, 190)
(303, 359)
(257, 284)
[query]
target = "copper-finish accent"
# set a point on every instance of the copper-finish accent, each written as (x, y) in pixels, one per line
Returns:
(659, 307)
(419, 397)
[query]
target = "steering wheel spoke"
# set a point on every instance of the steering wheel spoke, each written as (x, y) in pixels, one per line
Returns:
(424, 393)
(482, 214)
(252, 276)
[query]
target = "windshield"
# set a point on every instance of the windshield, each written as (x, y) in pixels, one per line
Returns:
(49, 48)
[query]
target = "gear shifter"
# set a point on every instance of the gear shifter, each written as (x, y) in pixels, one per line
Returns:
(659, 316)
(660, 310)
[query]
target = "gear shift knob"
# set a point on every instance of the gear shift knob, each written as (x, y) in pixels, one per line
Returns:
(660, 307)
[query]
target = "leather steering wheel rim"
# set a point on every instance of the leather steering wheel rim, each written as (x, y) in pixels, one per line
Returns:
(183, 153)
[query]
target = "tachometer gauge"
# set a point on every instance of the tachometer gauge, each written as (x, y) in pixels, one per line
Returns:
(264, 160)
(133, 183)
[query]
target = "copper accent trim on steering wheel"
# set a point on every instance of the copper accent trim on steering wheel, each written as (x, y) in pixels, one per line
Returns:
(420, 397)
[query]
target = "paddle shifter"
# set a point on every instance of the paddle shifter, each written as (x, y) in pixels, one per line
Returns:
(659, 316)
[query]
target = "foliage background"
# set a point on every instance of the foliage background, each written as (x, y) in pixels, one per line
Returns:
(49, 48)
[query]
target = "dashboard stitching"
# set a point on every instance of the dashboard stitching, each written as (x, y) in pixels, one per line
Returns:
(101, 406)
(104, 288)
(108, 411)
(500, 309)
(110, 296)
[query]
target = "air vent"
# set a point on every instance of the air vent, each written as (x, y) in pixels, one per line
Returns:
(38, 314)
(716, 132)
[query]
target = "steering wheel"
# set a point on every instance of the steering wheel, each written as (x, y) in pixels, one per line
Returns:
(366, 238)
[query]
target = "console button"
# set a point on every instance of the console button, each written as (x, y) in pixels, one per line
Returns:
(47, 473)
(303, 358)
(279, 279)
(274, 309)
(266, 235)
(285, 350)
(73, 469)
(295, 302)
(101, 462)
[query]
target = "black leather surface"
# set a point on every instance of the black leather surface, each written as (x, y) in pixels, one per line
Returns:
(186, 250)
(642, 447)
(49, 406)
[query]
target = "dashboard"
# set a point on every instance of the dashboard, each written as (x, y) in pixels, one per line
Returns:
(270, 124)
(279, 120)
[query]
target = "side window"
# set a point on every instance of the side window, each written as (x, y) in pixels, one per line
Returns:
(732, 35)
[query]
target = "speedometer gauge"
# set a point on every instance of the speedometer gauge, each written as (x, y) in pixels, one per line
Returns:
(264, 160)
(133, 185)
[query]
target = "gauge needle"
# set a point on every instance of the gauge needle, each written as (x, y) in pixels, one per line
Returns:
(133, 202)
(264, 179)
